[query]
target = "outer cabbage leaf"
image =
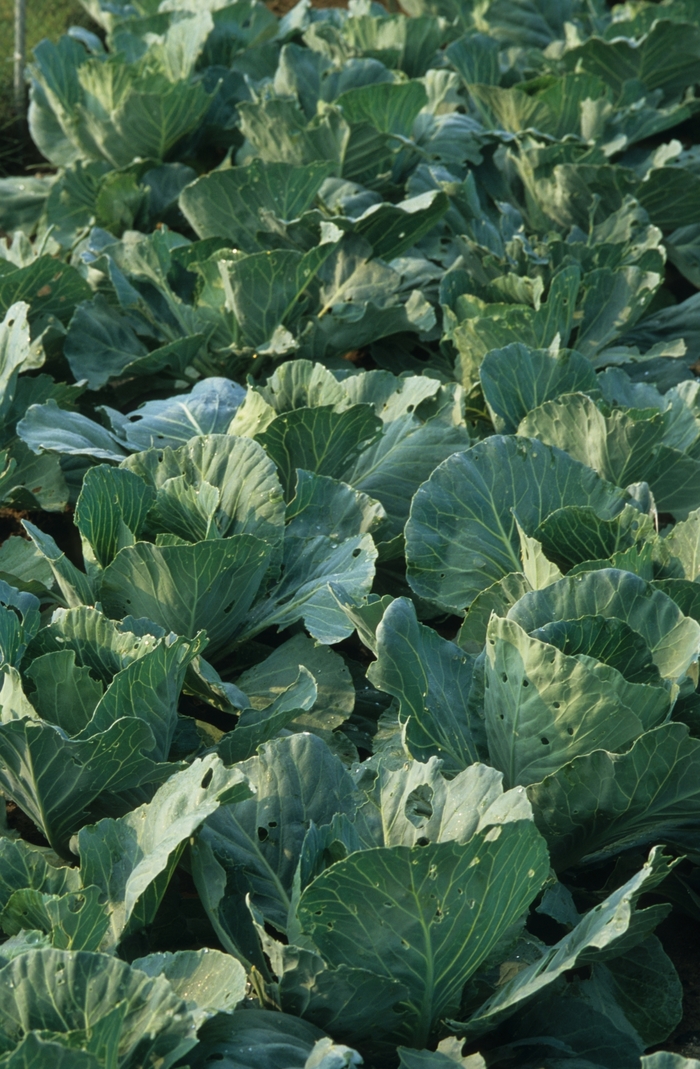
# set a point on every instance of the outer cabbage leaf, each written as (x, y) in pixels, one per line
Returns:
(297, 780)
(186, 588)
(233, 203)
(543, 707)
(401, 911)
(603, 803)
(416, 804)
(461, 535)
(36, 1053)
(128, 1017)
(623, 448)
(209, 981)
(597, 936)
(431, 677)
(248, 499)
(672, 638)
(257, 1039)
(73, 921)
(517, 379)
(149, 842)
(54, 779)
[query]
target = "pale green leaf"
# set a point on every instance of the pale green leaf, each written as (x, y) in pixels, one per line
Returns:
(207, 586)
(461, 534)
(149, 841)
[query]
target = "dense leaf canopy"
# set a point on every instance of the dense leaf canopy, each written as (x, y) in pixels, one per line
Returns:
(350, 616)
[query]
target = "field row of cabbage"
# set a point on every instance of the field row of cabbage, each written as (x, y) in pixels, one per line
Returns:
(350, 613)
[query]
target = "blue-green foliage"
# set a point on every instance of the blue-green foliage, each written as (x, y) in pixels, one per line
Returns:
(349, 643)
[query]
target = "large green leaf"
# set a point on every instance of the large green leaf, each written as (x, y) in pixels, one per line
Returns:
(263, 288)
(553, 108)
(678, 554)
(665, 58)
(100, 644)
(209, 585)
(233, 203)
(431, 677)
(149, 688)
(580, 1019)
(602, 803)
(15, 353)
(481, 326)
(55, 92)
(30, 481)
(127, 116)
(593, 939)
(517, 379)
(576, 534)
(354, 1005)
(96, 1003)
(605, 639)
(313, 563)
(392, 229)
(323, 505)
(644, 982)
(23, 199)
(335, 693)
(65, 693)
(248, 498)
(279, 133)
(36, 1053)
(300, 384)
(623, 448)
(207, 409)
(426, 916)
(111, 510)
(297, 780)
(475, 58)
(149, 842)
(25, 867)
(19, 623)
(73, 584)
(256, 726)
(671, 196)
(393, 467)
(47, 285)
(416, 804)
(461, 535)
(319, 440)
(394, 396)
(611, 301)
(55, 779)
(46, 427)
(256, 1039)
(101, 344)
(76, 920)
(544, 708)
(98, 333)
(209, 981)
(497, 598)
(389, 107)
(672, 638)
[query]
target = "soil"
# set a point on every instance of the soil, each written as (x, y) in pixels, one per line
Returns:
(681, 940)
(281, 7)
(57, 524)
(17, 820)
